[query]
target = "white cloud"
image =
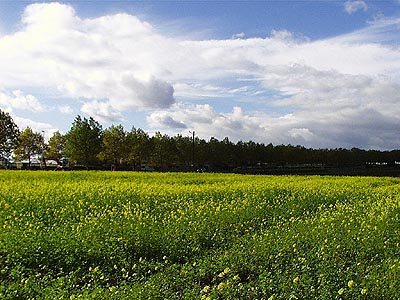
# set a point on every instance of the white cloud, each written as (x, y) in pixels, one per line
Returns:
(241, 35)
(287, 36)
(40, 127)
(18, 100)
(102, 111)
(353, 6)
(97, 58)
(65, 109)
(163, 120)
(303, 133)
(51, 18)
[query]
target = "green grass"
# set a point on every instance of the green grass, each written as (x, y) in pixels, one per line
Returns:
(121, 235)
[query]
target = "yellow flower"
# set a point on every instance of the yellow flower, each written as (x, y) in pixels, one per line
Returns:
(206, 289)
(363, 291)
(341, 291)
(221, 286)
(350, 284)
(296, 280)
(225, 272)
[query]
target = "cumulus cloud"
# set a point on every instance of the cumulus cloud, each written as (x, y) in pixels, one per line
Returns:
(163, 120)
(103, 111)
(208, 122)
(153, 92)
(36, 126)
(328, 92)
(18, 100)
(97, 58)
(353, 6)
(303, 133)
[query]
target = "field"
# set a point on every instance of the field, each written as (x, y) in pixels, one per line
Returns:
(120, 235)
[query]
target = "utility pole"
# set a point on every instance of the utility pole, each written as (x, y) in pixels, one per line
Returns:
(193, 133)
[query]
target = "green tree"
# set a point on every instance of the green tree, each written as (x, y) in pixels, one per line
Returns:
(56, 147)
(165, 151)
(114, 145)
(184, 145)
(84, 141)
(29, 144)
(139, 146)
(9, 133)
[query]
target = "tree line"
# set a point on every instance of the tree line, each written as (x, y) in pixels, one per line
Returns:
(87, 144)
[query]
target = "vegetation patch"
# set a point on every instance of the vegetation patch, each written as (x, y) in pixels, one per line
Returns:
(127, 235)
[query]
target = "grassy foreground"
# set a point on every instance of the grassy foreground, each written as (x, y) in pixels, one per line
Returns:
(117, 235)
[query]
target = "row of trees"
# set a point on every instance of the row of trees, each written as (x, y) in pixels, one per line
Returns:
(87, 144)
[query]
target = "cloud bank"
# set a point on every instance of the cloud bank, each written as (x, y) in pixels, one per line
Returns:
(283, 88)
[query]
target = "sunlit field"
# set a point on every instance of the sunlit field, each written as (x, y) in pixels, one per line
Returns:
(126, 235)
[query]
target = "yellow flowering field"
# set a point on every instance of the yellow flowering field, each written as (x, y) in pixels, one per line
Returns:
(126, 235)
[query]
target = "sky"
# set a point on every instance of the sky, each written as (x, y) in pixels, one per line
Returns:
(321, 74)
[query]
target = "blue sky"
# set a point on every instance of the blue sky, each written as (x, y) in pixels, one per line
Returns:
(321, 74)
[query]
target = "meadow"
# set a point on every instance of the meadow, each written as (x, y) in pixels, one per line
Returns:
(127, 235)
